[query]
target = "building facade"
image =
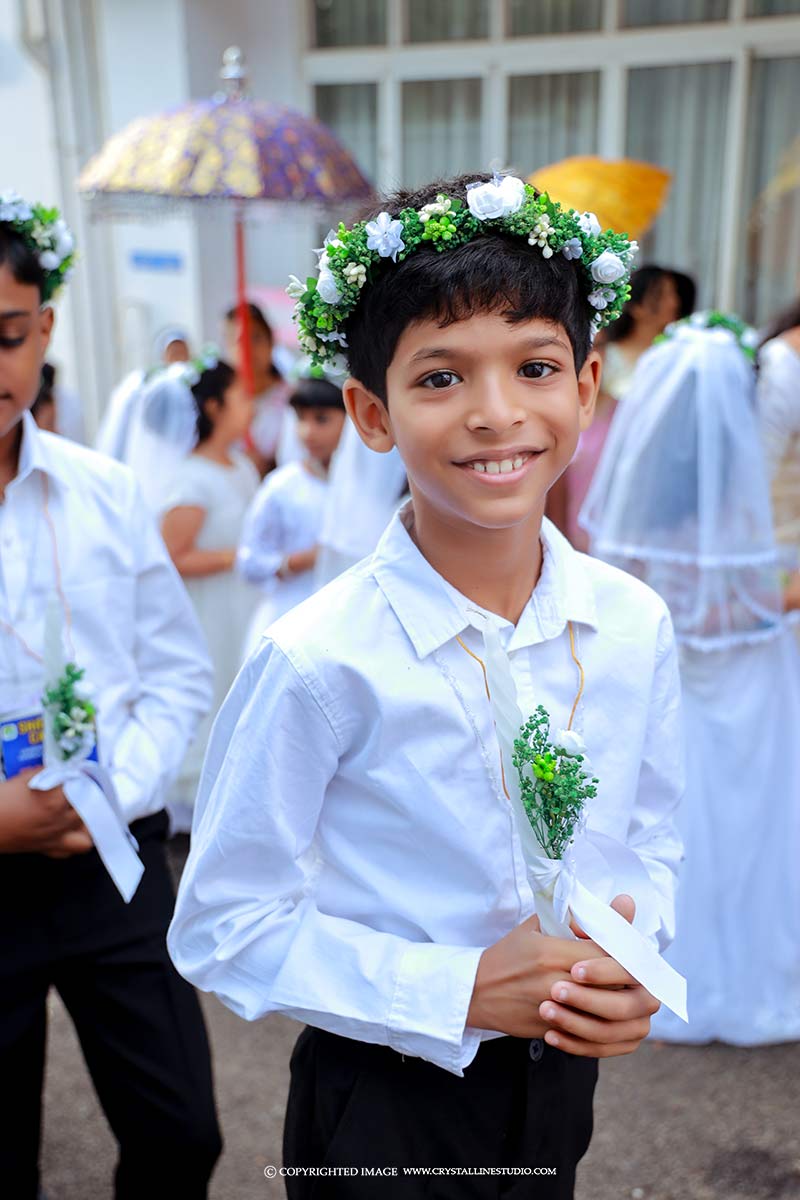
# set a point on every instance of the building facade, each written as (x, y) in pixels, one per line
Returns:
(709, 89)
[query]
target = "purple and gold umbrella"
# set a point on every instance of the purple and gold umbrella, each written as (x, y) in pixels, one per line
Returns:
(228, 149)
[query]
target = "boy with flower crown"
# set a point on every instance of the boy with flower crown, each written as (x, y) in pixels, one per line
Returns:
(355, 861)
(81, 563)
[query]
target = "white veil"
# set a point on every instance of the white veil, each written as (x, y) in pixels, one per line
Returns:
(161, 432)
(680, 497)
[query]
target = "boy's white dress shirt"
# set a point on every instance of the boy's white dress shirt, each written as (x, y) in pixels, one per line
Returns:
(132, 625)
(353, 851)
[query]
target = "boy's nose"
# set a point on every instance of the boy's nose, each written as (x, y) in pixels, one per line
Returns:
(495, 410)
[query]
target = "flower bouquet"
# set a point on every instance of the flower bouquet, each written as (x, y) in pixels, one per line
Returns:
(574, 871)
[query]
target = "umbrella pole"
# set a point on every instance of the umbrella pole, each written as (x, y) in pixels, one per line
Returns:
(245, 351)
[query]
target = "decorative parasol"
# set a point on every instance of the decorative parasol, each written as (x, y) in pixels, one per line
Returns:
(626, 195)
(229, 149)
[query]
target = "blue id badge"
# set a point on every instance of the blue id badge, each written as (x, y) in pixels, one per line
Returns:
(22, 743)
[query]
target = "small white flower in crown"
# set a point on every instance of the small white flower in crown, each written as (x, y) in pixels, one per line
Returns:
(539, 235)
(385, 234)
(437, 208)
(355, 273)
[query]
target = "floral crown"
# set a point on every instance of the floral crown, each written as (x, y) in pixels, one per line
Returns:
(349, 258)
(190, 372)
(744, 335)
(46, 234)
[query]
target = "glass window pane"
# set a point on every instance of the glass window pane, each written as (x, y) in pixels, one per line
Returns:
(441, 129)
(772, 8)
(530, 18)
(551, 117)
(676, 119)
(447, 20)
(676, 12)
(348, 22)
(350, 110)
(770, 230)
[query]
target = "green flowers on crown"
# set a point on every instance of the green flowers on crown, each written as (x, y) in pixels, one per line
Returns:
(350, 258)
(46, 234)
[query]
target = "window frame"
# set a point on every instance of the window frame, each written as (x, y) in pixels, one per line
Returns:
(612, 53)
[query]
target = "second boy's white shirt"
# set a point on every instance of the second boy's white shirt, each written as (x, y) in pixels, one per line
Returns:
(131, 623)
(353, 852)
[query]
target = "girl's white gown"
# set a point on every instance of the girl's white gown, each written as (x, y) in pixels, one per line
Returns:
(738, 905)
(681, 499)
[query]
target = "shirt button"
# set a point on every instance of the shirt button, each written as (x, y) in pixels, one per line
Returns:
(536, 1050)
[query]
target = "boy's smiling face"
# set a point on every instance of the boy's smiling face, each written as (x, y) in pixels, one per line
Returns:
(486, 415)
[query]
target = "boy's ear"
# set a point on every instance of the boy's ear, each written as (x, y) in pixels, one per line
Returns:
(589, 378)
(369, 415)
(47, 317)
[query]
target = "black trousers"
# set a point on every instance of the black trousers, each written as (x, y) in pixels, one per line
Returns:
(520, 1104)
(64, 925)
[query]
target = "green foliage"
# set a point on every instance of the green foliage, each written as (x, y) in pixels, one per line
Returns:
(554, 784)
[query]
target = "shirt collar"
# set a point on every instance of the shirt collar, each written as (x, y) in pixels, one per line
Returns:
(36, 454)
(432, 611)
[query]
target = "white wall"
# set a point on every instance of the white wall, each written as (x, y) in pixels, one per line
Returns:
(279, 240)
(142, 55)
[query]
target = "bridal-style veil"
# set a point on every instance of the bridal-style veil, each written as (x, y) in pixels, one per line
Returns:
(680, 497)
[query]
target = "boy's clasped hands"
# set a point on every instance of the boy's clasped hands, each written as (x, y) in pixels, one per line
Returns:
(571, 993)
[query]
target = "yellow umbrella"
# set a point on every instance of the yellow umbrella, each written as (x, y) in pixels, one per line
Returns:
(625, 195)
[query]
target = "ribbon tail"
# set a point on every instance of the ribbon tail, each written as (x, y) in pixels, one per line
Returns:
(630, 949)
(91, 793)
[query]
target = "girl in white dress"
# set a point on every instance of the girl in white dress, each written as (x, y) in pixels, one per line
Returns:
(278, 549)
(681, 500)
(203, 516)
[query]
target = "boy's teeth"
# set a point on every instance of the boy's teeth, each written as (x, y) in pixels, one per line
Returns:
(506, 465)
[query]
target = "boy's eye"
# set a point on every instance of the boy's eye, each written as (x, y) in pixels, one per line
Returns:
(440, 379)
(536, 370)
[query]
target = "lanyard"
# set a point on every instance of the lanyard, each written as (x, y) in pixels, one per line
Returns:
(4, 625)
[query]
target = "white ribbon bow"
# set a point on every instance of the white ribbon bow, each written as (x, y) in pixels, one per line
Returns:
(87, 786)
(595, 870)
(90, 791)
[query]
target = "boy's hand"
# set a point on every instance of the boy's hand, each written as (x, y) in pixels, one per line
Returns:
(601, 1011)
(39, 822)
(518, 973)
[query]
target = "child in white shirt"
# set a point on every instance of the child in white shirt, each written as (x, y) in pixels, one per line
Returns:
(278, 547)
(355, 862)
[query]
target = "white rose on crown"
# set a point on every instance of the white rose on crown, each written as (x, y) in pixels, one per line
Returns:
(327, 286)
(608, 268)
(589, 224)
(498, 198)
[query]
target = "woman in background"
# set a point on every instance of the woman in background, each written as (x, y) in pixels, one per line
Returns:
(203, 515)
(779, 416)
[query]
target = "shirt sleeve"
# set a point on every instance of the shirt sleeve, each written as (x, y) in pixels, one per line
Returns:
(174, 675)
(189, 488)
(261, 549)
(246, 923)
(653, 832)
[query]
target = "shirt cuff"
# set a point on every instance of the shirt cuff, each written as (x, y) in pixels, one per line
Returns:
(432, 994)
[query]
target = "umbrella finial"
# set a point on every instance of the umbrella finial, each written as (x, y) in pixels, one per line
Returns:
(234, 72)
